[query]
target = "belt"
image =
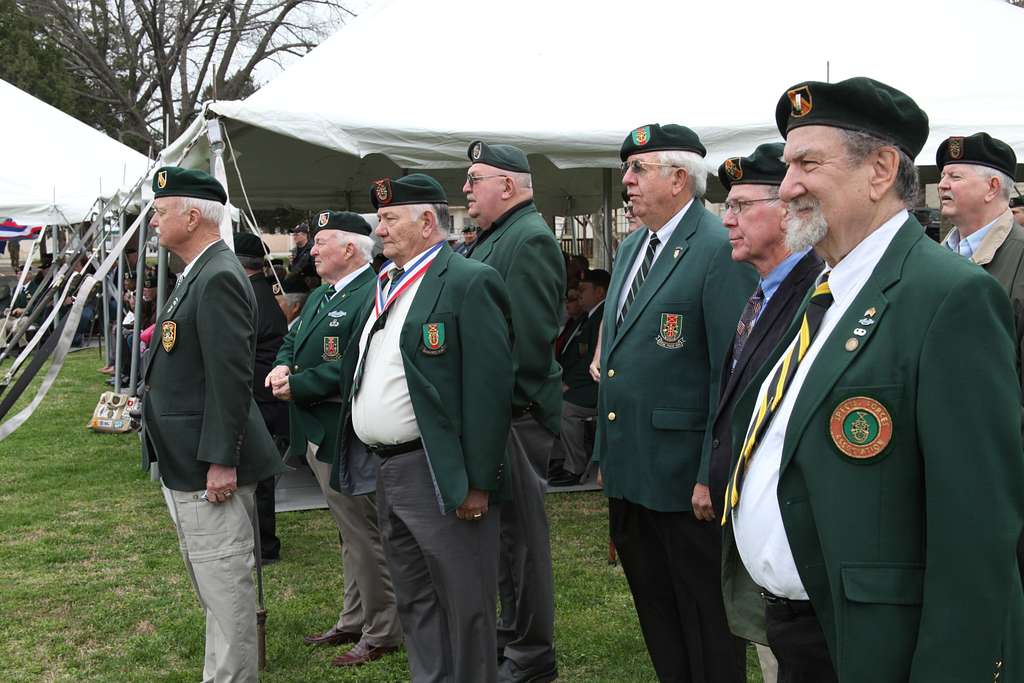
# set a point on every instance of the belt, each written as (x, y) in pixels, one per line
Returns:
(777, 604)
(389, 451)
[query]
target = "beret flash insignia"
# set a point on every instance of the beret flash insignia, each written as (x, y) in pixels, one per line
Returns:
(478, 149)
(641, 136)
(956, 148)
(161, 179)
(800, 101)
(322, 219)
(733, 168)
(382, 189)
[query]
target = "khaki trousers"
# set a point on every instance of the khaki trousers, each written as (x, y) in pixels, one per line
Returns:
(216, 543)
(368, 606)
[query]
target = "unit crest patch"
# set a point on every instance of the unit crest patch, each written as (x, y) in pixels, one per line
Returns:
(433, 339)
(641, 136)
(860, 427)
(670, 334)
(800, 101)
(168, 334)
(477, 150)
(161, 179)
(733, 168)
(332, 350)
(382, 188)
(322, 219)
(956, 148)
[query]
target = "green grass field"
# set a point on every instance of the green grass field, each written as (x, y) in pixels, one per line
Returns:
(92, 587)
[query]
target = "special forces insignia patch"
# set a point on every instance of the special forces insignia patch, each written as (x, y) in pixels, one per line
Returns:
(860, 427)
(800, 101)
(161, 179)
(168, 334)
(477, 150)
(641, 136)
(956, 148)
(382, 189)
(277, 289)
(433, 339)
(733, 168)
(322, 219)
(670, 335)
(331, 349)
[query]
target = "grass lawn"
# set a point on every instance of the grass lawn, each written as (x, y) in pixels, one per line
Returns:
(92, 587)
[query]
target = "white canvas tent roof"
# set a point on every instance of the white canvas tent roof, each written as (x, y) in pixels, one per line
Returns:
(409, 84)
(55, 166)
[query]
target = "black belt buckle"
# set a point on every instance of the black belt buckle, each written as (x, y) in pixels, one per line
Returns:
(384, 452)
(773, 599)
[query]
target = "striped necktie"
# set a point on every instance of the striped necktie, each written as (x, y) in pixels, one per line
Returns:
(754, 305)
(641, 275)
(328, 295)
(820, 301)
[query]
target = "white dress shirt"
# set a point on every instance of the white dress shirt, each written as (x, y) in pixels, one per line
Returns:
(344, 282)
(664, 234)
(188, 266)
(757, 521)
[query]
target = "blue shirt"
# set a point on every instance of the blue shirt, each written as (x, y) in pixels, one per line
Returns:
(770, 284)
(968, 245)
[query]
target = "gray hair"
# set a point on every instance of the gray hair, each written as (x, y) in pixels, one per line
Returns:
(692, 163)
(1005, 182)
(208, 209)
(295, 299)
(440, 212)
(362, 243)
(524, 181)
(859, 145)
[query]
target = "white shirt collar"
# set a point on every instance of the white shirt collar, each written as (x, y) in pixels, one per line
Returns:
(188, 266)
(850, 274)
(344, 282)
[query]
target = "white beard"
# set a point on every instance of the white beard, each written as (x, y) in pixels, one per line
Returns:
(803, 233)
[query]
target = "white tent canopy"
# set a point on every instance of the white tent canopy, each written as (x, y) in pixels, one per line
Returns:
(55, 166)
(409, 84)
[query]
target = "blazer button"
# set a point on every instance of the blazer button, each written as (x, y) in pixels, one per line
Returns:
(611, 417)
(296, 368)
(611, 373)
(714, 443)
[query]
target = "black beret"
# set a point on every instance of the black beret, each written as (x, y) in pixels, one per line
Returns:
(301, 227)
(469, 228)
(416, 188)
(1017, 202)
(980, 149)
(46, 260)
(598, 277)
(657, 138)
(505, 157)
(248, 244)
(295, 286)
(857, 104)
(342, 220)
(174, 181)
(764, 167)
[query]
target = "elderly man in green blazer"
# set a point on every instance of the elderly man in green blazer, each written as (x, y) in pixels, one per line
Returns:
(430, 374)
(307, 374)
(517, 243)
(199, 420)
(669, 318)
(877, 489)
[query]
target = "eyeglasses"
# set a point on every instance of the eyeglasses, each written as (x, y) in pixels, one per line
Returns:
(474, 179)
(737, 205)
(640, 167)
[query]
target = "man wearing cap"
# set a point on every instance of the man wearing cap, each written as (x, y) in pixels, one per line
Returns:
(519, 245)
(579, 390)
(672, 306)
(468, 240)
(302, 268)
(1017, 209)
(852, 506)
(308, 375)
(271, 328)
(976, 179)
(430, 382)
(199, 420)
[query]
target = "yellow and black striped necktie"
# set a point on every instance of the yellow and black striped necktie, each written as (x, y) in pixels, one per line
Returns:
(820, 301)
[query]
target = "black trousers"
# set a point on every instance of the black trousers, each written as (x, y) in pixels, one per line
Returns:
(797, 641)
(275, 416)
(673, 565)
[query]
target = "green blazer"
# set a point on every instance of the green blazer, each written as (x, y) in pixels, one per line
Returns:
(313, 350)
(908, 554)
(198, 407)
(522, 248)
(661, 368)
(575, 361)
(462, 391)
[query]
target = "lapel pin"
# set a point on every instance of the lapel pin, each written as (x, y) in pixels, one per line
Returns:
(852, 343)
(860, 331)
(866, 321)
(870, 312)
(676, 252)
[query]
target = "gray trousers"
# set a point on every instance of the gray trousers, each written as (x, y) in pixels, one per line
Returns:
(526, 624)
(216, 543)
(369, 603)
(574, 417)
(446, 575)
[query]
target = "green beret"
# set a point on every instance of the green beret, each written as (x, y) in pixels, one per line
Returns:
(658, 138)
(174, 181)
(248, 244)
(342, 220)
(1017, 202)
(980, 149)
(505, 157)
(416, 188)
(764, 167)
(857, 104)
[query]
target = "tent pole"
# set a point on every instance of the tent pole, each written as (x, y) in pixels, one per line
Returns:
(140, 272)
(122, 262)
(606, 182)
(161, 277)
(105, 295)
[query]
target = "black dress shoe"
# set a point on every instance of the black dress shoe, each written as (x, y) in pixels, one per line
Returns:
(566, 479)
(332, 636)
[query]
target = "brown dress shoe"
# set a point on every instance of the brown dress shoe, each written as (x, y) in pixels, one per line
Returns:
(333, 636)
(363, 653)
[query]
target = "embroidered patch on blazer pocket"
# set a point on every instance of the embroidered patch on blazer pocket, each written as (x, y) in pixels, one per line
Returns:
(862, 421)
